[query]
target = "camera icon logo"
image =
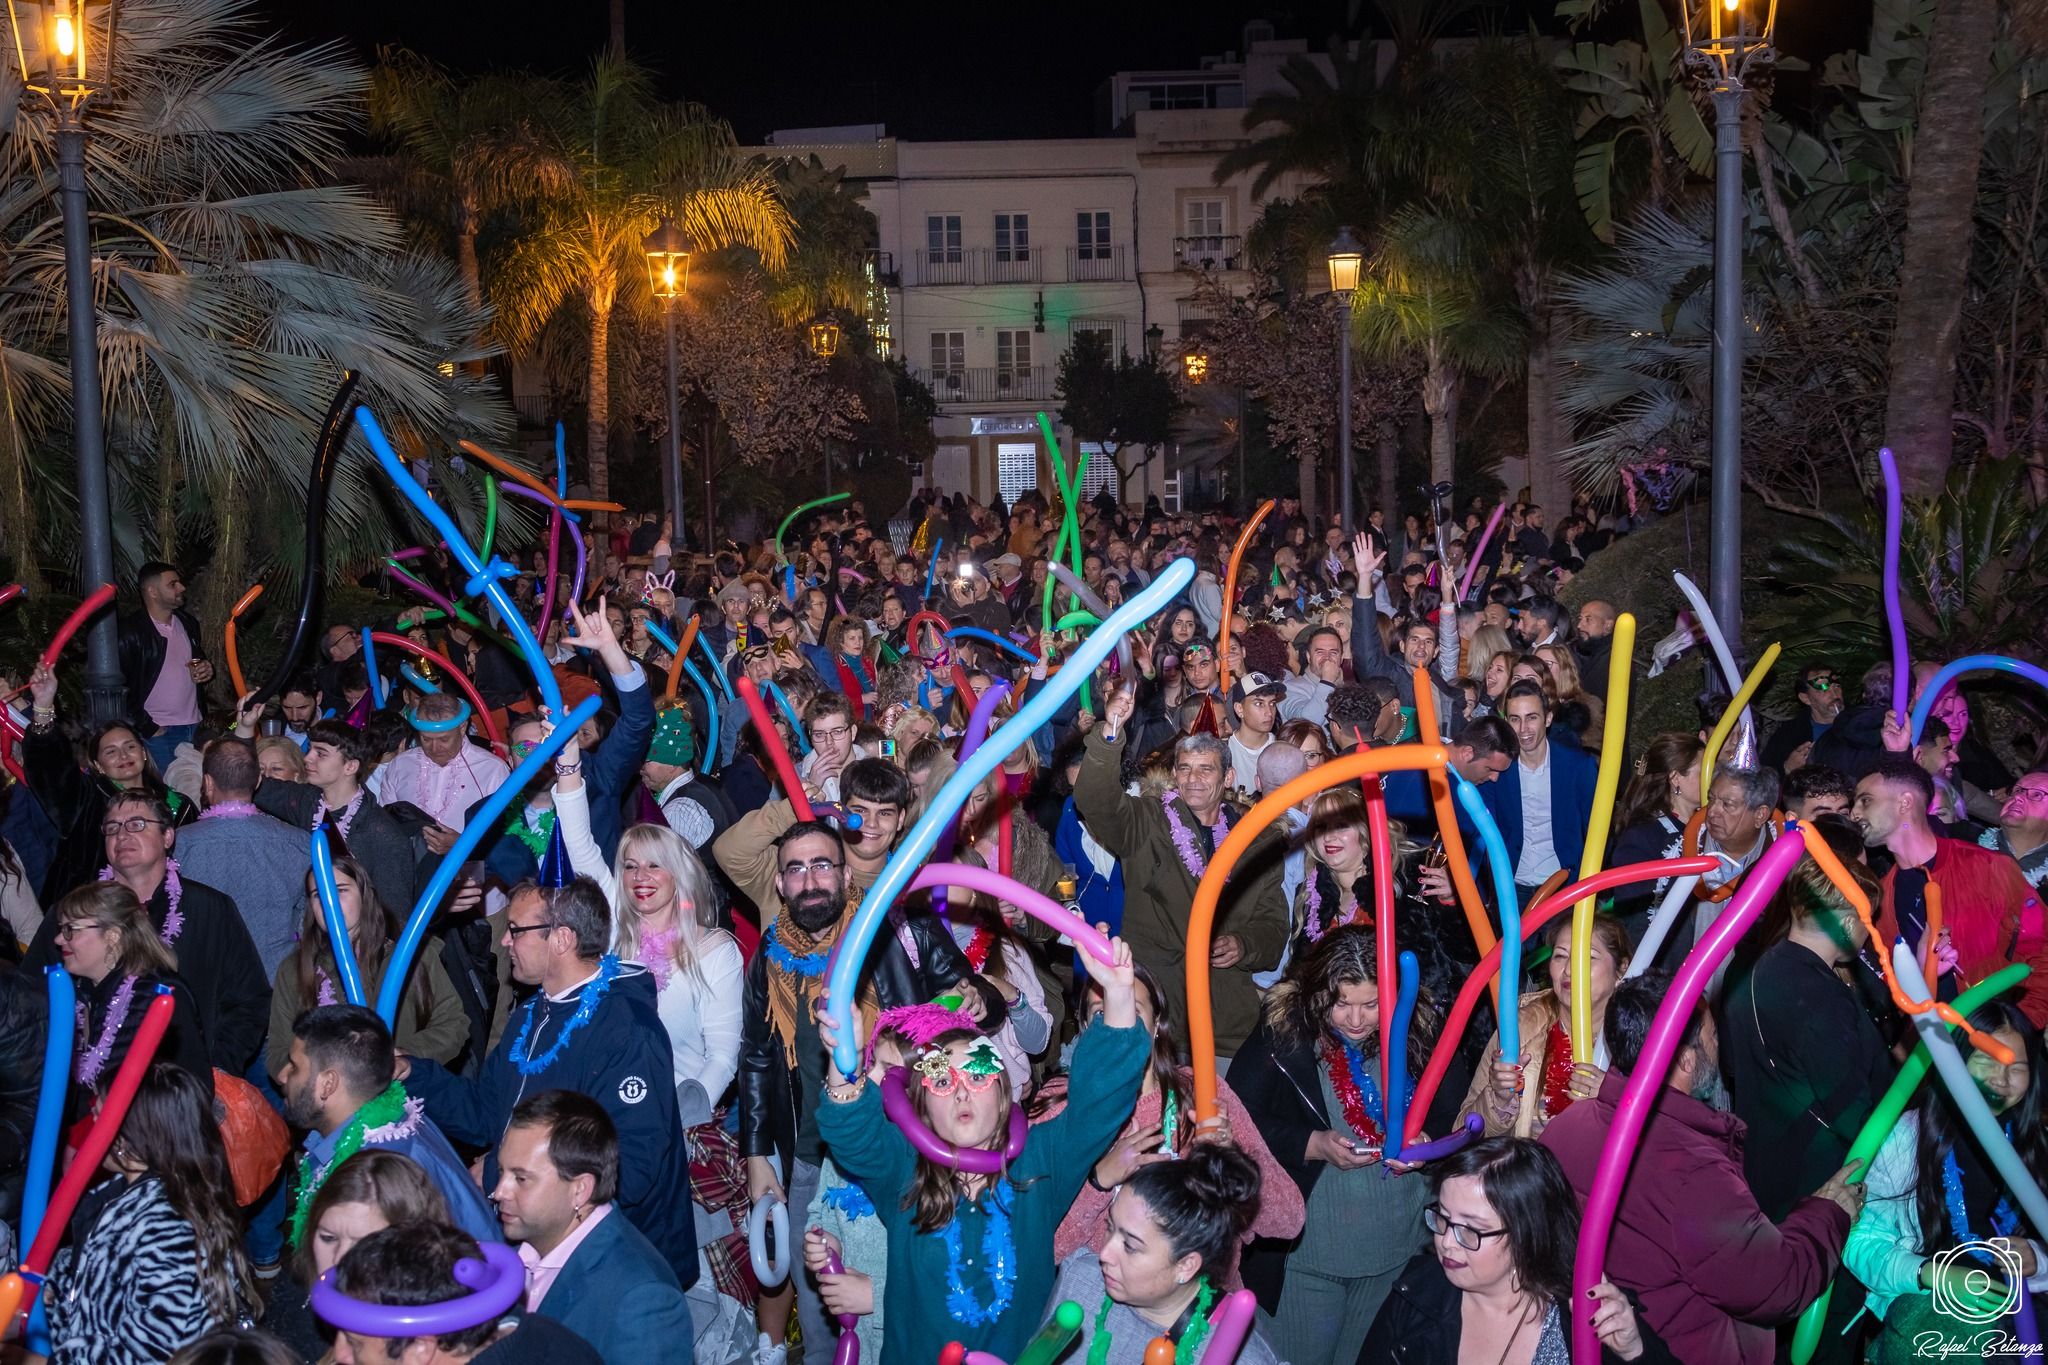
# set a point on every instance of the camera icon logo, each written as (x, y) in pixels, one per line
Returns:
(1978, 1266)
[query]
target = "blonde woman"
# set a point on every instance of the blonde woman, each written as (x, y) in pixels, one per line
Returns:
(665, 917)
(1488, 660)
(280, 759)
(1585, 713)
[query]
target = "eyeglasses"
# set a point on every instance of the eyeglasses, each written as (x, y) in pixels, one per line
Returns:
(515, 930)
(1464, 1234)
(955, 1078)
(134, 824)
(826, 736)
(816, 867)
(2030, 794)
(71, 929)
(1820, 684)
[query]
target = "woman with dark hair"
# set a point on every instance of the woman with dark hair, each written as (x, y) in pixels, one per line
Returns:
(364, 1193)
(1173, 1230)
(1661, 797)
(431, 1019)
(970, 1255)
(1163, 1127)
(1309, 1078)
(1523, 1097)
(238, 1346)
(1931, 1189)
(1495, 1283)
(156, 1255)
(1312, 739)
(108, 942)
(76, 798)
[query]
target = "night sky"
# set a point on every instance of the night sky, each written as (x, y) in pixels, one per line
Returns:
(968, 69)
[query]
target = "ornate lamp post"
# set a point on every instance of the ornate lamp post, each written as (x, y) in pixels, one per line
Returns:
(668, 274)
(1725, 40)
(1346, 260)
(64, 52)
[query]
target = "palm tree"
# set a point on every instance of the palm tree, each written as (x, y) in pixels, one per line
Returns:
(1941, 204)
(462, 149)
(826, 270)
(1504, 168)
(233, 286)
(1422, 296)
(626, 159)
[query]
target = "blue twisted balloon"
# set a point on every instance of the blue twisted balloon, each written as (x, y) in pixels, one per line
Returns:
(49, 1129)
(717, 669)
(376, 678)
(939, 812)
(484, 820)
(485, 579)
(710, 705)
(406, 672)
(1970, 663)
(561, 462)
(803, 740)
(977, 633)
(337, 923)
(458, 721)
(1396, 1042)
(1510, 914)
(931, 565)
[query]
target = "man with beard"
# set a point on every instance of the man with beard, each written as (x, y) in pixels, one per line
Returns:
(1712, 1287)
(1820, 692)
(1990, 916)
(338, 1086)
(591, 1027)
(816, 885)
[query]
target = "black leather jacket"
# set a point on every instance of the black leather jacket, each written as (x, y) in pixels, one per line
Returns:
(24, 1019)
(142, 658)
(771, 1091)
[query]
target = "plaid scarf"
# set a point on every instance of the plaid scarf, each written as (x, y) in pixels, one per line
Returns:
(786, 989)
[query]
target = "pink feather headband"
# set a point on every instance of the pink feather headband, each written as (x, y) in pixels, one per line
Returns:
(918, 1023)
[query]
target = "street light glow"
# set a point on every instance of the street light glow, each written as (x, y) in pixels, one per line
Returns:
(67, 35)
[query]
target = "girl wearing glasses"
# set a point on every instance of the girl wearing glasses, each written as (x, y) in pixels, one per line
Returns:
(971, 1256)
(1932, 1188)
(1495, 1282)
(110, 946)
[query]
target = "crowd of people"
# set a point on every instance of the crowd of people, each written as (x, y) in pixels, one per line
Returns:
(615, 1049)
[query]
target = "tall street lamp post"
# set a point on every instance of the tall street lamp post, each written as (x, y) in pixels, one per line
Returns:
(824, 339)
(1726, 40)
(668, 274)
(1345, 262)
(64, 52)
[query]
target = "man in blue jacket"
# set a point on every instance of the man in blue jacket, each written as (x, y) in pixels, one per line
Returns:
(592, 1028)
(1544, 801)
(587, 1267)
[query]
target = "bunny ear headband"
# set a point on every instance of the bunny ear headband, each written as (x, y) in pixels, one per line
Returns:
(666, 583)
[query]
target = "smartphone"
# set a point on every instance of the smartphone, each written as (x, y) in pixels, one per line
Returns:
(888, 748)
(472, 871)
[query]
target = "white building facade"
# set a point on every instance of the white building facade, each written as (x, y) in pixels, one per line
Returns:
(996, 255)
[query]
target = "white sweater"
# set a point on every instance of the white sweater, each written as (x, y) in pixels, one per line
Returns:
(702, 1018)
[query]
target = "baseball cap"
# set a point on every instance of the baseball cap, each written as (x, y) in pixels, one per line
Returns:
(1008, 561)
(1256, 685)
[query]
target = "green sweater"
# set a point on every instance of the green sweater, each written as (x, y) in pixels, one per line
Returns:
(1058, 1155)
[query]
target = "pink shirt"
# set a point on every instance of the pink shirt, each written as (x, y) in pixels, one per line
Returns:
(541, 1270)
(174, 699)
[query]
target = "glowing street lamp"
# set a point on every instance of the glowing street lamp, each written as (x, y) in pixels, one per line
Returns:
(1195, 366)
(1346, 261)
(668, 275)
(824, 338)
(1725, 40)
(63, 50)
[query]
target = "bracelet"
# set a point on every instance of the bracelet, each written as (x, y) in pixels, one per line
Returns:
(1097, 1184)
(564, 769)
(847, 1093)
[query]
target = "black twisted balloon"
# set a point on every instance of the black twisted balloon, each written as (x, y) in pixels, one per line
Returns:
(334, 430)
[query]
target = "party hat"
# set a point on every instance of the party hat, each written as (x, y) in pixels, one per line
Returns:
(555, 869)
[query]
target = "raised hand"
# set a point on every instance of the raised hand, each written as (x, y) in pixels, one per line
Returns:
(1366, 560)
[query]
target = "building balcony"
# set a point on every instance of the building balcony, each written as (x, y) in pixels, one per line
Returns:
(979, 265)
(1102, 264)
(985, 384)
(1207, 253)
